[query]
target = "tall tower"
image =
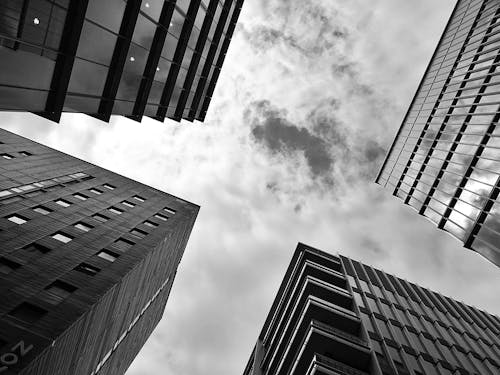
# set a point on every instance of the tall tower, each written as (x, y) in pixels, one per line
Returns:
(334, 315)
(136, 58)
(445, 159)
(87, 261)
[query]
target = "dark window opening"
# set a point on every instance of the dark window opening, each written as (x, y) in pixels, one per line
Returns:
(58, 291)
(123, 244)
(34, 247)
(150, 224)
(138, 233)
(100, 218)
(87, 269)
(161, 217)
(42, 210)
(170, 210)
(28, 312)
(7, 266)
(108, 255)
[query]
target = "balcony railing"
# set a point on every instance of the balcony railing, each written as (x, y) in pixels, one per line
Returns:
(340, 333)
(337, 366)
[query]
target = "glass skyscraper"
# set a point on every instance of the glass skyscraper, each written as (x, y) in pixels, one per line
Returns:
(87, 262)
(445, 159)
(335, 316)
(133, 58)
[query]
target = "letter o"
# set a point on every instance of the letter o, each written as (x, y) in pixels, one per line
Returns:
(9, 359)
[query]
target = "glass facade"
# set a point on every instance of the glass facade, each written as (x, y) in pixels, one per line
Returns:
(334, 315)
(445, 160)
(88, 258)
(155, 58)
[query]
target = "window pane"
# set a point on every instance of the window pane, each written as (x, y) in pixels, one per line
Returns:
(87, 78)
(108, 13)
(21, 68)
(100, 52)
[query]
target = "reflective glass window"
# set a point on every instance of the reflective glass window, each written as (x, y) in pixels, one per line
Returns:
(144, 32)
(169, 47)
(176, 23)
(183, 5)
(108, 13)
(152, 8)
(87, 78)
(88, 47)
(21, 68)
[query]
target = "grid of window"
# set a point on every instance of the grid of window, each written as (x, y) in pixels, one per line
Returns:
(422, 330)
(63, 260)
(445, 159)
(128, 59)
(356, 310)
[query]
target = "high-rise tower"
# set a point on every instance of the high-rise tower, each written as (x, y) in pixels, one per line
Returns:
(136, 58)
(87, 261)
(334, 315)
(445, 160)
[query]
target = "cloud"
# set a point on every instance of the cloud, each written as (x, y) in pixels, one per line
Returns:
(270, 127)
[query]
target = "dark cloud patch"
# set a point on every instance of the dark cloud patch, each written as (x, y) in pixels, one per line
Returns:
(373, 151)
(371, 245)
(328, 145)
(324, 31)
(271, 128)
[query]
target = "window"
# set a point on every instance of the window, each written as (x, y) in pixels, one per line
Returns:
(169, 210)
(5, 193)
(384, 330)
(358, 299)
(122, 244)
(34, 247)
(17, 219)
(365, 318)
(140, 199)
(95, 191)
(150, 224)
(7, 156)
(100, 218)
(62, 237)
(108, 255)
(87, 269)
(62, 202)
(108, 186)
(161, 217)
(28, 312)
(138, 233)
(58, 291)
(80, 196)
(42, 210)
(7, 266)
(83, 226)
(115, 210)
(25, 153)
(128, 204)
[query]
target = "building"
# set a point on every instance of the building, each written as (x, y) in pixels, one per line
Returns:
(132, 58)
(87, 261)
(335, 316)
(445, 159)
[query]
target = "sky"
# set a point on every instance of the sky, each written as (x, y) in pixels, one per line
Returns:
(309, 99)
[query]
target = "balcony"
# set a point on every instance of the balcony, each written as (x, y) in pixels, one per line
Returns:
(321, 365)
(330, 343)
(332, 329)
(315, 300)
